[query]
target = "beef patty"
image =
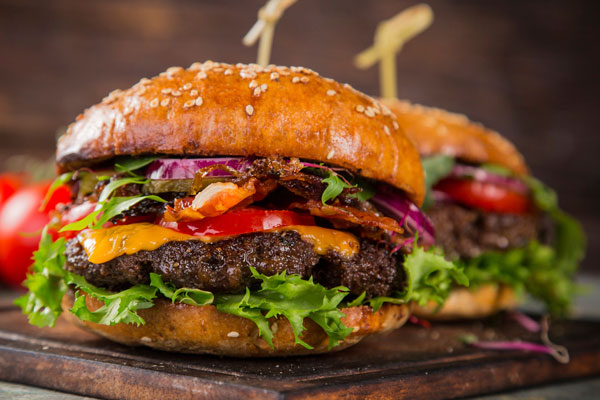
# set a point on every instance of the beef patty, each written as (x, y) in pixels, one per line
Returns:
(223, 266)
(465, 232)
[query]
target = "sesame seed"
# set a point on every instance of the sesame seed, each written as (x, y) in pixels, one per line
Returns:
(193, 92)
(247, 74)
(295, 69)
(199, 101)
(173, 70)
(189, 103)
(295, 79)
(195, 66)
(201, 75)
(274, 76)
(176, 93)
(144, 81)
(330, 154)
(166, 91)
(127, 111)
(263, 87)
(304, 79)
(154, 103)
(218, 69)
(228, 71)
(369, 112)
(233, 334)
(165, 102)
(331, 92)
(284, 72)
(252, 84)
(249, 110)
(187, 86)
(386, 130)
(360, 108)
(395, 125)
(256, 91)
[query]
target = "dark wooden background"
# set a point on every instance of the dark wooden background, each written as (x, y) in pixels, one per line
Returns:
(526, 68)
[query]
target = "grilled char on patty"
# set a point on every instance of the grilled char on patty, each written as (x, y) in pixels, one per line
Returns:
(223, 266)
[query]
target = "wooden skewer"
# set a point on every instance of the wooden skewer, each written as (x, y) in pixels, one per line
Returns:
(390, 37)
(264, 27)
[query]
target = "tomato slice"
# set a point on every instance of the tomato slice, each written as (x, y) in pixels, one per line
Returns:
(485, 196)
(239, 222)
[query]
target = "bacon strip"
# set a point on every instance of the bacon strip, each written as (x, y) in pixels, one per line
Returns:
(350, 214)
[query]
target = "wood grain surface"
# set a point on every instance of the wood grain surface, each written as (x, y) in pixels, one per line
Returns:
(412, 362)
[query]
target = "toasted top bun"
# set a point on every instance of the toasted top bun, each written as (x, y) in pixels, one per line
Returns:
(436, 131)
(191, 329)
(212, 109)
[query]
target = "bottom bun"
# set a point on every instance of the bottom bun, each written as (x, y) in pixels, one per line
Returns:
(192, 329)
(466, 303)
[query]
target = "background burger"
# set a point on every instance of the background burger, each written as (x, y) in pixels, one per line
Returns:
(233, 209)
(501, 225)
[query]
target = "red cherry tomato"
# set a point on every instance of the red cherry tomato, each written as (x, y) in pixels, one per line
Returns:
(239, 222)
(21, 222)
(9, 184)
(485, 196)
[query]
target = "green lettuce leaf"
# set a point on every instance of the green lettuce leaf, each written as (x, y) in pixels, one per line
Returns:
(429, 277)
(532, 269)
(295, 299)
(118, 307)
(42, 304)
(193, 297)
(436, 167)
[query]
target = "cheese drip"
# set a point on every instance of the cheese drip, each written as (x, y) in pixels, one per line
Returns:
(103, 245)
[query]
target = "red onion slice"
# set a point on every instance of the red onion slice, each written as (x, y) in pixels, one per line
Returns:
(405, 212)
(185, 168)
(481, 175)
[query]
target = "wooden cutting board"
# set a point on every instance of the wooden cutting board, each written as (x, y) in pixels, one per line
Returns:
(412, 362)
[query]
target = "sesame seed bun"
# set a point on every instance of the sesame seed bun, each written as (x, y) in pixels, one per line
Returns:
(464, 303)
(204, 330)
(214, 109)
(436, 131)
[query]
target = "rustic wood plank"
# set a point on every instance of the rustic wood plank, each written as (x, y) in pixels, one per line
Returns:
(412, 362)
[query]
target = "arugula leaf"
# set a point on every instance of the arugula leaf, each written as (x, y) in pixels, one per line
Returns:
(193, 297)
(367, 190)
(295, 299)
(130, 164)
(436, 167)
(42, 304)
(335, 186)
(108, 210)
(112, 186)
(59, 181)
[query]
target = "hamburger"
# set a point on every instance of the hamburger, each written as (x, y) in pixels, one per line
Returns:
(237, 210)
(500, 225)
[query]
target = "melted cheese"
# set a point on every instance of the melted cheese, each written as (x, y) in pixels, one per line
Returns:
(324, 239)
(103, 245)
